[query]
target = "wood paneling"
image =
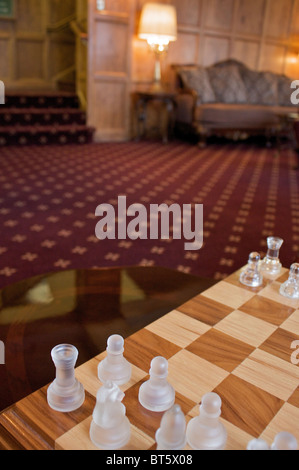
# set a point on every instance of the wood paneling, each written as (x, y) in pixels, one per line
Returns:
(38, 44)
(109, 54)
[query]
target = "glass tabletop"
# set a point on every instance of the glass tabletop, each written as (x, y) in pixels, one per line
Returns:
(83, 308)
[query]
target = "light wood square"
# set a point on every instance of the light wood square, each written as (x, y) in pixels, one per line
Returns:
(87, 374)
(178, 328)
(271, 291)
(270, 373)
(246, 328)
(292, 323)
(228, 294)
(78, 439)
(193, 376)
(287, 419)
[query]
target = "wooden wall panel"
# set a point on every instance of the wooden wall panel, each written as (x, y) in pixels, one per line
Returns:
(215, 49)
(219, 14)
(5, 58)
(37, 40)
(110, 32)
(250, 17)
(247, 52)
(273, 58)
(188, 11)
(278, 19)
(111, 40)
(27, 66)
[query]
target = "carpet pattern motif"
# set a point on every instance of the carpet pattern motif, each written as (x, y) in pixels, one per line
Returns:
(48, 198)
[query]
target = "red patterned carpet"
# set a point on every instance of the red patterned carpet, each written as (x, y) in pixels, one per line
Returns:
(48, 197)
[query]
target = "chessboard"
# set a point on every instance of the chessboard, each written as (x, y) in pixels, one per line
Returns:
(231, 339)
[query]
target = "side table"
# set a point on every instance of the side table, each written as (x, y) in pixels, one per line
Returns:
(141, 99)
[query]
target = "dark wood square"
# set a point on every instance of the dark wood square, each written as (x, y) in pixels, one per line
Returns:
(247, 406)
(149, 421)
(220, 349)
(144, 345)
(267, 310)
(205, 310)
(279, 344)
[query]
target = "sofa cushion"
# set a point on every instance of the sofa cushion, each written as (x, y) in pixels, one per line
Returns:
(262, 87)
(239, 116)
(197, 79)
(228, 84)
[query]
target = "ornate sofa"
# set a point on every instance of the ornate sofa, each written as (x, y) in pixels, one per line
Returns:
(228, 97)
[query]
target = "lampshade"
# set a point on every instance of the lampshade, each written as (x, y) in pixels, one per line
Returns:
(158, 23)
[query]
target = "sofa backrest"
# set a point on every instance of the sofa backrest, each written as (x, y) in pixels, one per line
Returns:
(231, 81)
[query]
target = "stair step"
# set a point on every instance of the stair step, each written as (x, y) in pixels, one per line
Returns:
(42, 116)
(45, 135)
(49, 99)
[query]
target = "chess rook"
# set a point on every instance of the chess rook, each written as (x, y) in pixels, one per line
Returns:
(156, 394)
(115, 367)
(206, 432)
(65, 393)
(270, 266)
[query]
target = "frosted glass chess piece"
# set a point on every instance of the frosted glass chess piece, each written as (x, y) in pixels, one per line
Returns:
(115, 367)
(251, 275)
(284, 441)
(156, 394)
(110, 428)
(290, 288)
(271, 265)
(258, 444)
(171, 434)
(205, 431)
(65, 393)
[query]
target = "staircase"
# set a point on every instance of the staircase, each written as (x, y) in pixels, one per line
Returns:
(43, 119)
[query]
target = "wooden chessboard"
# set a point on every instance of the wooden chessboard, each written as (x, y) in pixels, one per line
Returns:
(230, 339)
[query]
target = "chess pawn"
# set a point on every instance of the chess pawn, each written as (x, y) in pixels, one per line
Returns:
(284, 441)
(258, 444)
(110, 428)
(206, 432)
(270, 265)
(290, 288)
(172, 432)
(251, 276)
(115, 367)
(156, 394)
(65, 393)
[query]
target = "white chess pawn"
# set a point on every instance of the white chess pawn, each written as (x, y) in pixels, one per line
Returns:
(258, 444)
(65, 394)
(110, 428)
(284, 441)
(206, 432)
(115, 367)
(271, 266)
(171, 434)
(156, 394)
(290, 288)
(251, 275)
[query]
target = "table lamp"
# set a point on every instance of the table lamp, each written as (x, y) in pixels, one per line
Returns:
(158, 26)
